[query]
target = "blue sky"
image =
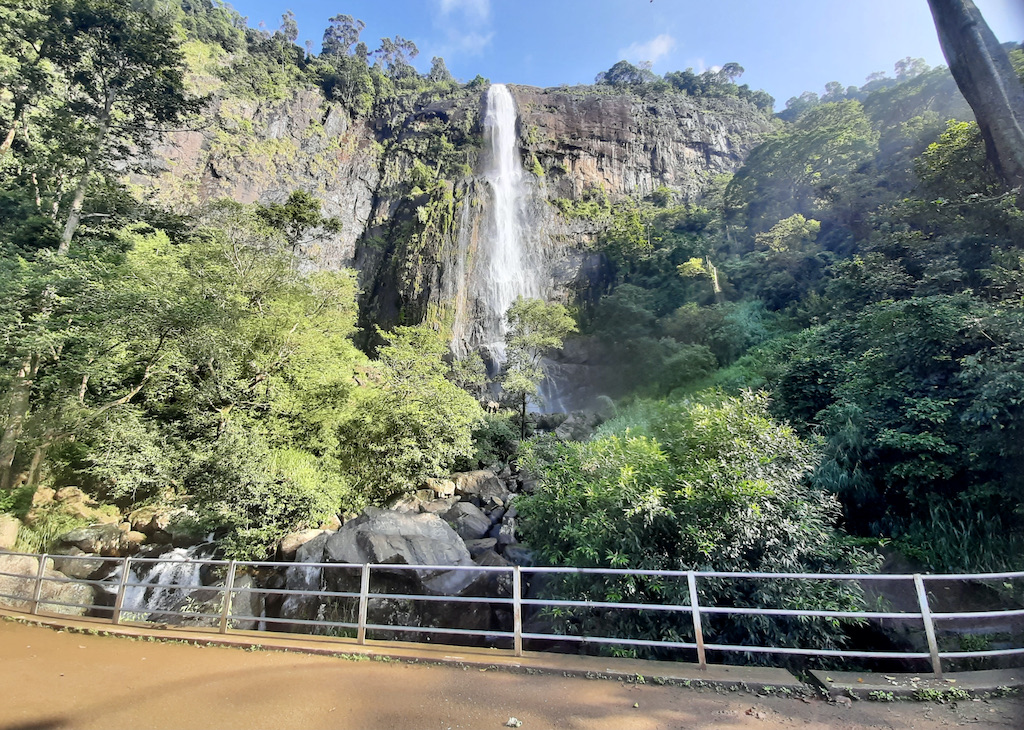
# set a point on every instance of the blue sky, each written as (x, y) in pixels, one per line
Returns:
(786, 46)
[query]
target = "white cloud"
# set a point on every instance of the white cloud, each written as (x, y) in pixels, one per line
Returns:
(652, 50)
(480, 9)
(465, 26)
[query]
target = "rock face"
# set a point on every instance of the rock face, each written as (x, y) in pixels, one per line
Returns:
(630, 145)
(9, 526)
(414, 248)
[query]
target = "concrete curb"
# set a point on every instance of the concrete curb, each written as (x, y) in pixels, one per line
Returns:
(950, 687)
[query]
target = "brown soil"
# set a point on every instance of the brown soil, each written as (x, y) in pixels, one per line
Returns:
(57, 679)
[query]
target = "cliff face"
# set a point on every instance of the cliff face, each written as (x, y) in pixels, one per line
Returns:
(630, 145)
(404, 184)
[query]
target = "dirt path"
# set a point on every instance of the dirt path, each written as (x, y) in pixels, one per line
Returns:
(55, 679)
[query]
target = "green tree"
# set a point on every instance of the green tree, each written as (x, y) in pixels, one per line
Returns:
(297, 217)
(125, 82)
(987, 80)
(415, 423)
(534, 329)
(712, 483)
(790, 234)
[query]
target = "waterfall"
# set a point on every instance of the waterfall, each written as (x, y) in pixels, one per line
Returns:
(163, 586)
(510, 262)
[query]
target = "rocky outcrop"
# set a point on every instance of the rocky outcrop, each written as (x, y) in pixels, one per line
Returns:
(626, 144)
(262, 150)
(23, 570)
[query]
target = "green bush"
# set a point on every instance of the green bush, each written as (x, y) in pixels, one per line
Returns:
(711, 483)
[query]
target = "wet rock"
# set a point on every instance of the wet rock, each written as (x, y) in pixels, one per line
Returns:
(507, 532)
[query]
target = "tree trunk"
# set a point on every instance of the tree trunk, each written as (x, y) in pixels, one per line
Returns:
(75, 215)
(19, 110)
(17, 412)
(983, 72)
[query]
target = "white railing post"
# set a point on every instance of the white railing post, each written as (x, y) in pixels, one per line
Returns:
(119, 601)
(929, 626)
(364, 598)
(698, 631)
(38, 592)
(517, 610)
(229, 585)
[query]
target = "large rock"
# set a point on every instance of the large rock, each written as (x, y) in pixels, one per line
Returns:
(382, 536)
(152, 519)
(291, 542)
(78, 564)
(468, 520)
(96, 539)
(22, 584)
(479, 486)
(9, 526)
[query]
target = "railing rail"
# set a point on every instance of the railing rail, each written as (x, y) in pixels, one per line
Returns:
(30, 590)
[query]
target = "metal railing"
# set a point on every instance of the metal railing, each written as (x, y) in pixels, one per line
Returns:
(218, 607)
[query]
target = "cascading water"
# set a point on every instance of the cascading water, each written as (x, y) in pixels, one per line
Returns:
(510, 260)
(163, 586)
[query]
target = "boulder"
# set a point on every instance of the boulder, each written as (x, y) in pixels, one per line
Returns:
(579, 426)
(440, 506)
(312, 551)
(293, 541)
(479, 486)
(25, 569)
(519, 554)
(132, 541)
(151, 519)
(468, 521)
(507, 532)
(96, 539)
(9, 526)
(478, 547)
(246, 606)
(440, 487)
(382, 536)
(84, 566)
(408, 502)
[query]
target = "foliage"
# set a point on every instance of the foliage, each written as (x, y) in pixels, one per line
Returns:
(415, 424)
(534, 328)
(708, 483)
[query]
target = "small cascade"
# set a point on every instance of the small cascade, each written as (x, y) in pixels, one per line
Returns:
(509, 261)
(164, 586)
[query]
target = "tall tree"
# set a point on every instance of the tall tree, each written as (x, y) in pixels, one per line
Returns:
(983, 72)
(125, 74)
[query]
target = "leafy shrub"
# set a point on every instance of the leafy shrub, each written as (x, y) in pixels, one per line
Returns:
(709, 483)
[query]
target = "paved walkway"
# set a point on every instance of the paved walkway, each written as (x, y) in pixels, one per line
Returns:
(57, 679)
